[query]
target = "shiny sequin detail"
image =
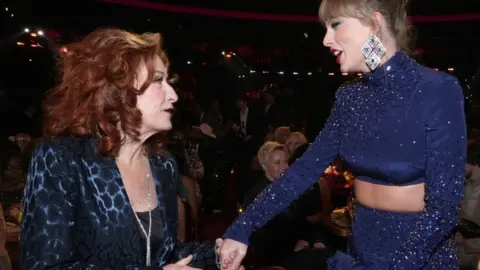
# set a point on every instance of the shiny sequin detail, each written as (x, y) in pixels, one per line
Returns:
(77, 214)
(401, 124)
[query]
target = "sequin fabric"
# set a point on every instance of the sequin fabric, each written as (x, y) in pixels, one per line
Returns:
(77, 214)
(401, 124)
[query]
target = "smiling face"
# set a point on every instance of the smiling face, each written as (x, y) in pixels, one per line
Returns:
(345, 37)
(156, 102)
(276, 163)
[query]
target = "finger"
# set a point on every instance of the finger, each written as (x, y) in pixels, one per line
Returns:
(226, 261)
(185, 261)
(218, 243)
(236, 262)
(233, 255)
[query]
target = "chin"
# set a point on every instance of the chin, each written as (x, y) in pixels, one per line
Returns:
(162, 127)
(344, 69)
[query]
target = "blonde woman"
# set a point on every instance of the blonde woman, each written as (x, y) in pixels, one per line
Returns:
(285, 236)
(400, 129)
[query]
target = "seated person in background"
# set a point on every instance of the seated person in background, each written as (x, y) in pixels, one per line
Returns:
(310, 203)
(4, 259)
(288, 233)
(294, 141)
(281, 134)
(11, 184)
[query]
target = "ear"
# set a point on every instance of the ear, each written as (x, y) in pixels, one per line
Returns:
(378, 21)
(263, 167)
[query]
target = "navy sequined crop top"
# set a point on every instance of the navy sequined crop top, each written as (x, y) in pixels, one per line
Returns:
(401, 124)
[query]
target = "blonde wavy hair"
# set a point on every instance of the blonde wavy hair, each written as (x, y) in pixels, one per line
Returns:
(266, 150)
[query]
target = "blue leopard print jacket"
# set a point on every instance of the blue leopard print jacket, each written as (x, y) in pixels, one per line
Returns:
(77, 214)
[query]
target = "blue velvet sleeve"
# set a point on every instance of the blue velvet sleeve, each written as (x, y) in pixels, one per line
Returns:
(303, 174)
(48, 213)
(445, 168)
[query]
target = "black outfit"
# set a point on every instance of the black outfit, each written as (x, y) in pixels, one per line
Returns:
(310, 202)
(274, 243)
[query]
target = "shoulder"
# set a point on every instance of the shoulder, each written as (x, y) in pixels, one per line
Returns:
(61, 146)
(438, 83)
(55, 154)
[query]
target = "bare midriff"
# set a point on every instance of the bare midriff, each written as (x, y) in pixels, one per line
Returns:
(403, 199)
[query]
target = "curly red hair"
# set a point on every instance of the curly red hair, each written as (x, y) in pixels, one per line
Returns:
(97, 93)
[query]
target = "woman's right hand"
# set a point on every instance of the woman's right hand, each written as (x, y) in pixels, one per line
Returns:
(231, 254)
(181, 265)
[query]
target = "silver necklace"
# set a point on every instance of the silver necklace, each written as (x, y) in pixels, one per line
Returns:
(149, 234)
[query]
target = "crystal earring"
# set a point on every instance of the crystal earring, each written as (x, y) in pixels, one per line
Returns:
(373, 50)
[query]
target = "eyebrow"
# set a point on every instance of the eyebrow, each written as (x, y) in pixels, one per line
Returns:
(161, 73)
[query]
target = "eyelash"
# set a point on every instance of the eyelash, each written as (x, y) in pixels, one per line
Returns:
(335, 25)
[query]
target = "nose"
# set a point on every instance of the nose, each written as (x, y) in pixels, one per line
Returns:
(328, 38)
(171, 94)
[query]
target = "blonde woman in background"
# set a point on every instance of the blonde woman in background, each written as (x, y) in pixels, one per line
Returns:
(295, 140)
(283, 238)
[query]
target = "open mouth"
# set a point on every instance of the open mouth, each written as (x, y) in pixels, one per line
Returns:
(170, 111)
(337, 53)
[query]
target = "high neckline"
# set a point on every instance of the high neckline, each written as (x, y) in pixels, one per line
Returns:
(396, 63)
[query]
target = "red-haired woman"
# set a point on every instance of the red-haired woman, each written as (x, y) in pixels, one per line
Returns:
(100, 193)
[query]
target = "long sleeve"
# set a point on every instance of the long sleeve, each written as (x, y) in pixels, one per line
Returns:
(203, 254)
(445, 170)
(304, 173)
(49, 211)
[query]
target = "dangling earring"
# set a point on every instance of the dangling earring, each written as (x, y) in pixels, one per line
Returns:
(373, 50)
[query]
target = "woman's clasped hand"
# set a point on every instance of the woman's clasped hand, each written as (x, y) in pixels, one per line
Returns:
(231, 254)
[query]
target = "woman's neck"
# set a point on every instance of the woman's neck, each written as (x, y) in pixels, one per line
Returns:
(132, 152)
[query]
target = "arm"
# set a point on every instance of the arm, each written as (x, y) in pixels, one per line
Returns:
(49, 214)
(182, 222)
(445, 168)
(296, 180)
(191, 186)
